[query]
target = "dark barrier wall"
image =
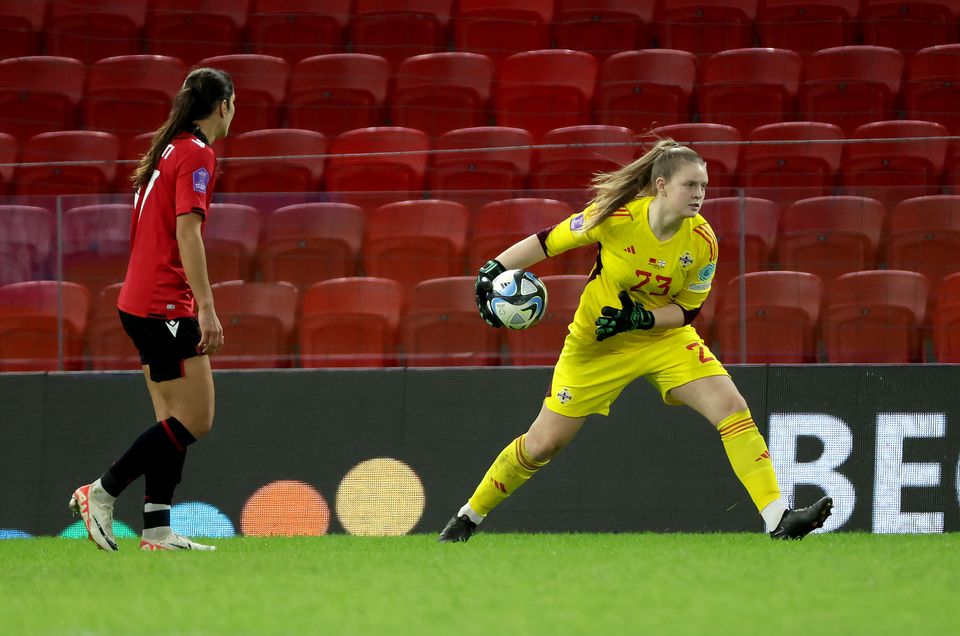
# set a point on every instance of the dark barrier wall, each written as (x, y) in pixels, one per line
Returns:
(883, 441)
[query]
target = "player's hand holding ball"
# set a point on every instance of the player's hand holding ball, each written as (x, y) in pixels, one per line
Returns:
(632, 316)
(490, 270)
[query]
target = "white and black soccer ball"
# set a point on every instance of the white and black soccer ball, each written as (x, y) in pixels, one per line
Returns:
(519, 299)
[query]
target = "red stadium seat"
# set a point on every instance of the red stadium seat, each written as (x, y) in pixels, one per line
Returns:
(9, 151)
(30, 316)
(850, 85)
(337, 92)
(875, 317)
(182, 29)
(746, 88)
(74, 145)
(350, 322)
(441, 327)
(706, 26)
(759, 230)
(302, 172)
(951, 169)
(565, 166)
(261, 82)
(924, 236)
(230, 238)
(26, 238)
(96, 244)
(946, 321)
(546, 89)
(39, 94)
(398, 29)
(780, 314)
(411, 241)
(643, 89)
(108, 345)
(806, 26)
(830, 236)
(932, 89)
(439, 92)
(20, 27)
(131, 94)
(541, 345)
(470, 167)
(891, 171)
(720, 151)
(311, 242)
(258, 321)
(790, 171)
(603, 27)
(384, 165)
(909, 26)
(500, 224)
(95, 29)
(501, 28)
(296, 29)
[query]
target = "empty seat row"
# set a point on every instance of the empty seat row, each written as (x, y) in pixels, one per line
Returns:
(889, 161)
(295, 29)
(537, 90)
(869, 317)
(345, 322)
(408, 241)
(412, 241)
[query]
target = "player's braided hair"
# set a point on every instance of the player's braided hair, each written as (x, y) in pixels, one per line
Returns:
(200, 95)
(613, 190)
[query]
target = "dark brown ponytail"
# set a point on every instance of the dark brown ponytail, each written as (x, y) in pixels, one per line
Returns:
(200, 95)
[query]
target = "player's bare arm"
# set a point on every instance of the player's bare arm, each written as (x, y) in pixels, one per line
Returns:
(194, 261)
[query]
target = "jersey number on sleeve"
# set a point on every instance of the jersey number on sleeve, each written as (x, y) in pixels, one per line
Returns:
(662, 284)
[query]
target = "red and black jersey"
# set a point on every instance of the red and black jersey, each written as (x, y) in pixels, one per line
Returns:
(156, 285)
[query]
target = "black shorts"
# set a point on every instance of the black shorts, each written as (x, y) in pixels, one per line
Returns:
(163, 344)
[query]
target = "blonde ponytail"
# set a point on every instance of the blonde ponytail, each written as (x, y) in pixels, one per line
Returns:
(613, 190)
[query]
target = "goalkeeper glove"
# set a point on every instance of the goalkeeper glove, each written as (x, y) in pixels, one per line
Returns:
(490, 270)
(614, 321)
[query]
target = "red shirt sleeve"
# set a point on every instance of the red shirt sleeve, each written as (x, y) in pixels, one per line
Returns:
(195, 181)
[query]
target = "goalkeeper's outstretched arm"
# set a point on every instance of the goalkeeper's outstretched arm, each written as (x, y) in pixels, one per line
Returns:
(522, 254)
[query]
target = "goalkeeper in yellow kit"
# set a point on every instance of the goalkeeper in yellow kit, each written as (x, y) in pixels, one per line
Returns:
(654, 271)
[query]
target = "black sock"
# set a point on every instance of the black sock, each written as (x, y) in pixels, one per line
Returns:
(160, 444)
(160, 482)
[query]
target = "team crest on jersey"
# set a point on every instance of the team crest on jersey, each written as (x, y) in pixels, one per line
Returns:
(576, 223)
(200, 180)
(564, 395)
(686, 259)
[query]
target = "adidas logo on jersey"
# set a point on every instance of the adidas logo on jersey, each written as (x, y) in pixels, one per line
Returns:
(630, 250)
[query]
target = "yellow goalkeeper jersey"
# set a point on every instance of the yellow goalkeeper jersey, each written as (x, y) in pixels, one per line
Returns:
(678, 270)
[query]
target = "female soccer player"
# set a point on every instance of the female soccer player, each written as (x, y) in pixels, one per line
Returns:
(657, 260)
(166, 307)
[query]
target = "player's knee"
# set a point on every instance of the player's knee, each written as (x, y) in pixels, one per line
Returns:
(541, 447)
(199, 421)
(730, 402)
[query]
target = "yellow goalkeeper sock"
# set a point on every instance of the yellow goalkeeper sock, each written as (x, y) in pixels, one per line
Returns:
(749, 457)
(510, 470)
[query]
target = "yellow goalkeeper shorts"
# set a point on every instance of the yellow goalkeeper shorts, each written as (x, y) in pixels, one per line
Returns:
(590, 375)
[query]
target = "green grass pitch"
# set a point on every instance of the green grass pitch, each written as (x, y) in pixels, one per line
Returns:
(552, 584)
